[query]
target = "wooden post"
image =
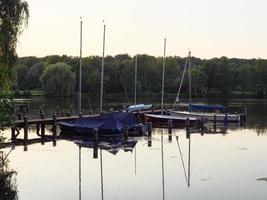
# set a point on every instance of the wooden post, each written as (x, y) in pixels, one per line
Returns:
(225, 119)
(38, 129)
(125, 132)
(62, 113)
(13, 133)
(68, 114)
(170, 130)
(187, 128)
(214, 122)
(149, 129)
(26, 127)
(95, 150)
(215, 119)
(42, 130)
(80, 115)
(54, 125)
(19, 116)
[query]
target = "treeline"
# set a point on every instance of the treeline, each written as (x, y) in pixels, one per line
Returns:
(218, 77)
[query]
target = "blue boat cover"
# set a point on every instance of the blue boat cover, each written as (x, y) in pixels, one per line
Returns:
(205, 107)
(112, 123)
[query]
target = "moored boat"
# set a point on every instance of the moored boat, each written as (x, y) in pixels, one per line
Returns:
(163, 120)
(112, 124)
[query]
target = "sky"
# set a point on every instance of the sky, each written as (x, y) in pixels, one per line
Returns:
(209, 28)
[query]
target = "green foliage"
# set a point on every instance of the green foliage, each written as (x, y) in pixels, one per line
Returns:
(33, 76)
(14, 15)
(217, 77)
(58, 80)
(7, 108)
(8, 187)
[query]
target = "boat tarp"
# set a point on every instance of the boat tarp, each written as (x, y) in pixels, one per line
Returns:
(108, 123)
(205, 107)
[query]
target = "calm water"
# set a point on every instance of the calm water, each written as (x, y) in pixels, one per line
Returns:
(228, 165)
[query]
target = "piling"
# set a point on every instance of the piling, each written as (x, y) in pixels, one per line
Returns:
(126, 132)
(54, 125)
(202, 126)
(68, 114)
(19, 116)
(13, 133)
(95, 150)
(215, 119)
(26, 128)
(225, 119)
(80, 115)
(170, 130)
(62, 113)
(42, 130)
(187, 128)
(149, 129)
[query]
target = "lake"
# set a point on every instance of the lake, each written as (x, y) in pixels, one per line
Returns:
(228, 164)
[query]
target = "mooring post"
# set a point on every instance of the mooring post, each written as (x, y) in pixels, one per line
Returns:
(38, 129)
(202, 125)
(54, 125)
(80, 115)
(187, 128)
(26, 127)
(149, 129)
(19, 116)
(215, 119)
(125, 131)
(62, 113)
(68, 114)
(95, 150)
(13, 133)
(170, 129)
(225, 119)
(42, 130)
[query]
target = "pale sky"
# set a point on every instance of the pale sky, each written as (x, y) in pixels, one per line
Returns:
(209, 28)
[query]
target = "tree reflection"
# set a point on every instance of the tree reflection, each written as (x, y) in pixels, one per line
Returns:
(8, 186)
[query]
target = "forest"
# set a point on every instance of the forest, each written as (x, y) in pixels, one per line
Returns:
(218, 77)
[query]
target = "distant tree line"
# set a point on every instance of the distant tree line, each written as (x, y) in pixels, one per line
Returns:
(218, 77)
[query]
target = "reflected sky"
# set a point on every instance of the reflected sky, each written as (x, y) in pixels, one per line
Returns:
(221, 167)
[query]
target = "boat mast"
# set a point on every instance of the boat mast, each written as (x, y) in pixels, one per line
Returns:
(102, 69)
(80, 71)
(189, 78)
(163, 74)
(135, 79)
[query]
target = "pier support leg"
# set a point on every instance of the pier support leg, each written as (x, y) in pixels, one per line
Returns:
(26, 128)
(95, 150)
(149, 130)
(170, 130)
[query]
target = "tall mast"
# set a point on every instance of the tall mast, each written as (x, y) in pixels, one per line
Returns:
(80, 71)
(135, 79)
(163, 74)
(102, 69)
(189, 78)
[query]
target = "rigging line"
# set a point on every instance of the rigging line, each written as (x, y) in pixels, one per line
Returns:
(181, 82)
(123, 85)
(182, 160)
(123, 177)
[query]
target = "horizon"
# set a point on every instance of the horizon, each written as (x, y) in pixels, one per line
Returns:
(208, 28)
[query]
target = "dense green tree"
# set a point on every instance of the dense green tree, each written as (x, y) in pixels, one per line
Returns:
(13, 16)
(33, 76)
(20, 73)
(58, 80)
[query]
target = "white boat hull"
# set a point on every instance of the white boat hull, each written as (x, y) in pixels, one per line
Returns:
(220, 117)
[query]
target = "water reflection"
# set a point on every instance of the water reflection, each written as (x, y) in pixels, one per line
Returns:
(8, 186)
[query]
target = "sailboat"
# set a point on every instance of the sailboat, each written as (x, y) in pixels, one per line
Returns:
(163, 119)
(137, 107)
(216, 114)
